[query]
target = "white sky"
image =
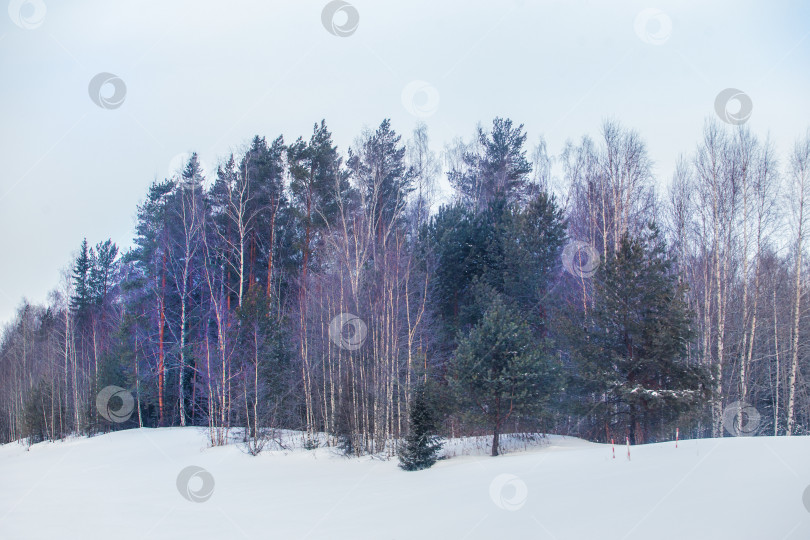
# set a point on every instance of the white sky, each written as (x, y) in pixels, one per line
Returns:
(207, 76)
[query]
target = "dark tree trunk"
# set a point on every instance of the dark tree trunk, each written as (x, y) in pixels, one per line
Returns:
(633, 424)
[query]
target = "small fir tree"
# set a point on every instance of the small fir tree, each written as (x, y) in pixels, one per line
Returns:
(422, 446)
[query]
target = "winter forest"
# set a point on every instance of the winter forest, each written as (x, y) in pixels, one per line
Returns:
(341, 293)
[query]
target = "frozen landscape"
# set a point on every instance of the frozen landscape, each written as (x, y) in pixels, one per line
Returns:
(330, 269)
(124, 485)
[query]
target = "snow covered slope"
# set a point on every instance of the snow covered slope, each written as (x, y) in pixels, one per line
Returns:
(125, 485)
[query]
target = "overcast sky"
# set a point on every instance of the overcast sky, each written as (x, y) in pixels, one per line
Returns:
(207, 76)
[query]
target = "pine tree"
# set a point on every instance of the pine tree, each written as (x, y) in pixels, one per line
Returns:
(150, 258)
(496, 168)
(422, 446)
(263, 165)
(378, 165)
(506, 249)
(503, 369)
(101, 270)
(317, 185)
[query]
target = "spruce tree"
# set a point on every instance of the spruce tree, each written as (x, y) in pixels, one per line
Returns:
(422, 446)
(82, 295)
(631, 346)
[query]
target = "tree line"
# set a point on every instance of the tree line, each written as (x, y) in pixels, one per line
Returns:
(297, 287)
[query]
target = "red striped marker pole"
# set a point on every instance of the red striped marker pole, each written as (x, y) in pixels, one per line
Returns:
(676, 437)
(628, 448)
(613, 446)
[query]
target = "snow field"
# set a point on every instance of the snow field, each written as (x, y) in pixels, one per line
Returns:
(125, 485)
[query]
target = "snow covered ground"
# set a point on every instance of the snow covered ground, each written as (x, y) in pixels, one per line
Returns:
(125, 485)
